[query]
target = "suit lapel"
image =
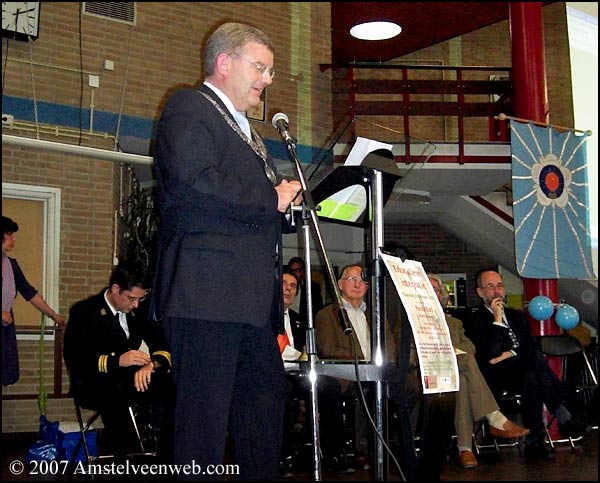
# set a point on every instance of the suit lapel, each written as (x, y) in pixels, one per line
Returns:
(112, 321)
(256, 143)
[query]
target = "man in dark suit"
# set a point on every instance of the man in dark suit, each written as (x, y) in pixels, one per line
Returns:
(509, 359)
(328, 389)
(297, 265)
(293, 340)
(107, 369)
(291, 344)
(218, 274)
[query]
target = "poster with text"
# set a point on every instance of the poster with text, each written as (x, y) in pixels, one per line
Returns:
(439, 371)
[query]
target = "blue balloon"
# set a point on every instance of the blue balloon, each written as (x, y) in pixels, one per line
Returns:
(566, 317)
(540, 307)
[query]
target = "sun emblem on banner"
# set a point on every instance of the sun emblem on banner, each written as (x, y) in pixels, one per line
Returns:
(550, 208)
(552, 181)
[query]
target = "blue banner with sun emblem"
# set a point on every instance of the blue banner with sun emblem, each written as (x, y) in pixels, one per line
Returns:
(550, 202)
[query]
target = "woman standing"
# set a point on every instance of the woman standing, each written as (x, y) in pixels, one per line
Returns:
(14, 280)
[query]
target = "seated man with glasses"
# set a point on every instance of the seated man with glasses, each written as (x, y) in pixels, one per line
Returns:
(333, 343)
(474, 400)
(510, 360)
(108, 371)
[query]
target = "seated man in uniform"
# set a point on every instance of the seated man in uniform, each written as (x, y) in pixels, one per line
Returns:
(108, 371)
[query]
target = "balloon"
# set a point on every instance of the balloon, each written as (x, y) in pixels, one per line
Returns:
(566, 317)
(540, 307)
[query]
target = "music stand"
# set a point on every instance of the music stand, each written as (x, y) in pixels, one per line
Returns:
(377, 174)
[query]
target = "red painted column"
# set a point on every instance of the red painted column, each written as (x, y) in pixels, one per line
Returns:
(531, 102)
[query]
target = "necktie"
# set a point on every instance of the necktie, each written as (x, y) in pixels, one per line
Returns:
(511, 334)
(283, 341)
(123, 322)
(513, 337)
(243, 122)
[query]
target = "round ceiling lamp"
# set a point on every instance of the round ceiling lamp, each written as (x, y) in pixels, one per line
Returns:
(375, 30)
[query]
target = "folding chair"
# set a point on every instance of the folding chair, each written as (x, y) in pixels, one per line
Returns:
(509, 403)
(565, 346)
(83, 429)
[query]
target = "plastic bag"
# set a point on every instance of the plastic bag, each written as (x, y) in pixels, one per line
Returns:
(46, 448)
(49, 431)
(40, 451)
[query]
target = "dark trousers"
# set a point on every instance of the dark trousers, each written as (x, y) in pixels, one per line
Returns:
(436, 434)
(229, 380)
(430, 416)
(113, 395)
(330, 403)
(535, 381)
(540, 387)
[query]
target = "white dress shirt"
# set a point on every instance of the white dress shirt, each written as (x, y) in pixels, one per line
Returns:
(122, 316)
(358, 319)
(240, 117)
(242, 120)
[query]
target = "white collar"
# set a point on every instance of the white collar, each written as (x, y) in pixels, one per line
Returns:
(221, 95)
(348, 306)
(112, 309)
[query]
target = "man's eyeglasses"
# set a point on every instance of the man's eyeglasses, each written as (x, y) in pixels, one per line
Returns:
(135, 299)
(355, 280)
(297, 270)
(491, 286)
(261, 68)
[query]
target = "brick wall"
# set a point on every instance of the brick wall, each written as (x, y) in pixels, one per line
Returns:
(440, 252)
(490, 46)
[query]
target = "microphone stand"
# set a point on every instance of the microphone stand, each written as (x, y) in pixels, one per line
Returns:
(309, 205)
(309, 213)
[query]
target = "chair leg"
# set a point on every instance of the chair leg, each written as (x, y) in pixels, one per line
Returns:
(135, 426)
(550, 440)
(496, 444)
(83, 430)
(478, 431)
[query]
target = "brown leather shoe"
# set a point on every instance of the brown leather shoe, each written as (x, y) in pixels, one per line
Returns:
(467, 459)
(510, 431)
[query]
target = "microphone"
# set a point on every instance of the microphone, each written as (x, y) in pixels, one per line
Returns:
(281, 122)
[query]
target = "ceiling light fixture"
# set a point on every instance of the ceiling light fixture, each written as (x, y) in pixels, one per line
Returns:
(375, 30)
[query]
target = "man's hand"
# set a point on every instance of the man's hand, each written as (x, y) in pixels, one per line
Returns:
(497, 307)
(505, 355)
(143, 376)
(134, 358)
(286, 192)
